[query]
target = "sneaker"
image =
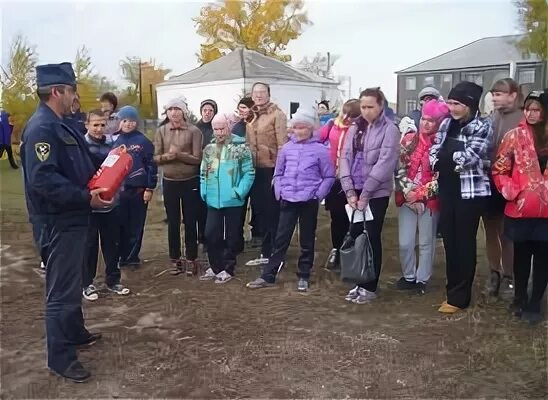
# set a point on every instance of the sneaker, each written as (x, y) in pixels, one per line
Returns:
(90, 293)
(208, 276)
(178, 267)
(257, 261)
(192, 268)
(404, 284)
(258, 284)
(494, 283)
(333, 260)
(223, 277)
(516, 308)
(507, 283)
(119, 289)
(421, 288)
(302, 285)
(352, 294)
(364, 296)
(42, 266)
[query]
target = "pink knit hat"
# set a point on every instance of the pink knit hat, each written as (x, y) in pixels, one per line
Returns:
(435, 109)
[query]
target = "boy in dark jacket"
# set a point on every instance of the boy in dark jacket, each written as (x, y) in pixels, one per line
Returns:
(138, 186)
(104, 224)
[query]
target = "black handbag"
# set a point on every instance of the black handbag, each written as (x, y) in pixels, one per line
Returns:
(357, 257)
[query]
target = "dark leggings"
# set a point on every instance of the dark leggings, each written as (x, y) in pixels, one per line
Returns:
(525, 254)
(374, 229)
(335, 203)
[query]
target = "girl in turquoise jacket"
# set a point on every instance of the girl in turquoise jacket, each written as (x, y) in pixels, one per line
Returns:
(226, 176)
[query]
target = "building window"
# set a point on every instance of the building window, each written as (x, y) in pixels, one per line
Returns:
(410, 105)
(411, 83)
(448, 79)
(526, 76)
(428, 81)
(477, 78)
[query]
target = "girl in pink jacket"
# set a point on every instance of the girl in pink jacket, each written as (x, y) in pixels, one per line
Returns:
(334, 132)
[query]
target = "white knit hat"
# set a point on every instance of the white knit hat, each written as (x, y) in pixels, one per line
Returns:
(305, 115)
(179, 102)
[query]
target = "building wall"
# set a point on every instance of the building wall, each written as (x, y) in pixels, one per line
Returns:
(228, 93)
(485, 77)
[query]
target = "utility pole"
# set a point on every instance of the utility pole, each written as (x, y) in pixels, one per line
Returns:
(140, 84)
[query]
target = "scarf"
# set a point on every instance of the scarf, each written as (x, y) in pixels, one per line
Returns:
(419, 161)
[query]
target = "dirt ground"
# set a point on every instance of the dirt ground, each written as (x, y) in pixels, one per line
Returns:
(175, 337)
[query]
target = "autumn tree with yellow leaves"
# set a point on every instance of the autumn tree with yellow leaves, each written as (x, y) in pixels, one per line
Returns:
(18, 82)
(266, 26)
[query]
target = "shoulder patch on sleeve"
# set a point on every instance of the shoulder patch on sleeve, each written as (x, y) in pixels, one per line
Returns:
(42, 150)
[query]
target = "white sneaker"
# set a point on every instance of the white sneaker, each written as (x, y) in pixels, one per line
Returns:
(364, 296)
(352, 294)
(223, 277)
(90, 293)
(257, 261)
(42, 266)
(208, 276)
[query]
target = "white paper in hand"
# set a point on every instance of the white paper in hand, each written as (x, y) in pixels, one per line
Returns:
(359, 215)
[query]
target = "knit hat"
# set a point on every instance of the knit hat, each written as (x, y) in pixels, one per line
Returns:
(540, 96)
(246, 101)
(212, 103)
(304, 115)
(429, 91)
(128, 112)
(467, 93)
(435, 109)
(179, 102)
(325, 103)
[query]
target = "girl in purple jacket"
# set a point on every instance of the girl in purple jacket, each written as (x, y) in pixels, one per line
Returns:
(303, 177)
(366, 171)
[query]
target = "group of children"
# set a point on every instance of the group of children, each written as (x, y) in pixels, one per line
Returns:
(352, 160)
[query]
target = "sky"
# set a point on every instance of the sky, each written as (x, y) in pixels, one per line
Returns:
(374, 39)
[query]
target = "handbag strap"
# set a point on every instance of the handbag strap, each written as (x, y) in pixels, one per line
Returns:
(352, 222)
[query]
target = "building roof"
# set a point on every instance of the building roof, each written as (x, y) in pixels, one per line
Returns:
(249, 64)
(490, 51)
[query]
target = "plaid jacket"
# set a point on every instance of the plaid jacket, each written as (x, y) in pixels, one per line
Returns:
(473, 164)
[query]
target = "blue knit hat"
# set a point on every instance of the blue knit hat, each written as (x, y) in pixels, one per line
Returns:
(128, 112)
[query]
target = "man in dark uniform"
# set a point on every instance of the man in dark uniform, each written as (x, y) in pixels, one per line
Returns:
(57, 168)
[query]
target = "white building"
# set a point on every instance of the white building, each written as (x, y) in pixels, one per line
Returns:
(228, 78)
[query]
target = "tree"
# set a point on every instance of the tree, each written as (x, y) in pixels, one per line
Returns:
(142, 77)
(18, 83)
(83, 68)
(266, 26)
(533, 18)
(90, 84)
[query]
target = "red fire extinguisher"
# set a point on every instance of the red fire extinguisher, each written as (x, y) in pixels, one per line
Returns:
(112, 172)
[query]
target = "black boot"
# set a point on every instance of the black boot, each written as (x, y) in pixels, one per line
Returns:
(75, 373)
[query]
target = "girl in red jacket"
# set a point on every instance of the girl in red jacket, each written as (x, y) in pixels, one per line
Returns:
(521, 176)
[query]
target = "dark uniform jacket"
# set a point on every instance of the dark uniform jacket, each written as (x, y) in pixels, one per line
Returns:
(57, 167)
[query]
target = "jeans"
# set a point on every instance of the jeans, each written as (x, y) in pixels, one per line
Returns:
(427, 223)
